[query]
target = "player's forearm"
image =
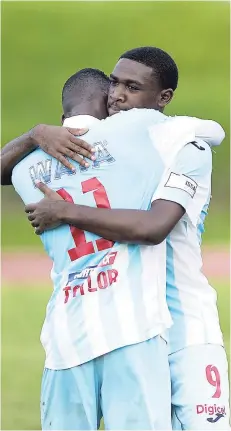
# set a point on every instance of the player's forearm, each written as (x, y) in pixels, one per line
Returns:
(119, 225)
(13, 152)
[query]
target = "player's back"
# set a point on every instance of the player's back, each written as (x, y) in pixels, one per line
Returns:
(110, 291)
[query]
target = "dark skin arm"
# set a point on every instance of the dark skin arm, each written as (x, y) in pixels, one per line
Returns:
(119, 225)
(59, 142)
(13, 153)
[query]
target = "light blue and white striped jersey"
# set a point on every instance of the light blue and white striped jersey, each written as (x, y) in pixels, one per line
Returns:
(105, 295)
(191, 300)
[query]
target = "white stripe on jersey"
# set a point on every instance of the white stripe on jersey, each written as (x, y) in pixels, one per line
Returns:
(154, 299)
(61, 335)
(150, 296)
(123, 297)
(191, 300)
(92, 319)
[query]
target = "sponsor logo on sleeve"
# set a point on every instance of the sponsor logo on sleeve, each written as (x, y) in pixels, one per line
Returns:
(182, 182)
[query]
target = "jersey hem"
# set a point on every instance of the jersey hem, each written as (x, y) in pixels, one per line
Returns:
(74, 363)
(172, 351)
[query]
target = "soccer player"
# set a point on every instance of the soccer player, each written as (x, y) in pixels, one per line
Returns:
(104, 332)
(197, 358)
(140, 89)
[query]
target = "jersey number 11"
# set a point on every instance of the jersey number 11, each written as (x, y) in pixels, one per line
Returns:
(82, 247)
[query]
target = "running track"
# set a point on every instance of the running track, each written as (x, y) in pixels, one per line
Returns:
(24, 267)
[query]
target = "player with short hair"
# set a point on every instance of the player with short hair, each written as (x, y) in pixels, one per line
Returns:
(164, 68)
(108, 315)
(198, 363)
(87, 85)
(150, 77)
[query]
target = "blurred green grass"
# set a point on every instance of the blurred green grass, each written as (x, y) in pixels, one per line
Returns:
(43, 43)
(23, 311)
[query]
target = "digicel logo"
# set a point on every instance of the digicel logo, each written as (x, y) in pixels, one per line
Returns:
(210, 409)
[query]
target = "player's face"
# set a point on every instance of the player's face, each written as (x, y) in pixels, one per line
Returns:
(133, 86)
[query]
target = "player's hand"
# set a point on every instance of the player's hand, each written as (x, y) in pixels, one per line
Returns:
(61, 142)
(46, 213)
(48, 193)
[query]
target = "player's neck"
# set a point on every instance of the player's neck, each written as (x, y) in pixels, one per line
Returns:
(94, 109)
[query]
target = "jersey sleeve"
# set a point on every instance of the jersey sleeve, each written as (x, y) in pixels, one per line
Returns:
(208, 130)
(188, 181)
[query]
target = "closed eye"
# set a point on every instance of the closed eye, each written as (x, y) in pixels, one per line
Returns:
(113, 82)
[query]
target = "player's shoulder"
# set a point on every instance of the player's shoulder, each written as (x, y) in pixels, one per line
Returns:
(189, 123)
(136, 115)
(149, 116)
(31, 159)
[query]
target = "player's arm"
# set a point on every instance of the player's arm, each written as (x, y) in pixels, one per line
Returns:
(59, 142)
(12, 153)
(184, 189)
(128, 226)
(208, 130)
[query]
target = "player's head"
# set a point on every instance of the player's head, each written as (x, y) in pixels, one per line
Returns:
(143, 77)
(86, 92)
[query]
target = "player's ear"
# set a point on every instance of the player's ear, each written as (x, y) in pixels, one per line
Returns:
(62, 118)
(165, 97)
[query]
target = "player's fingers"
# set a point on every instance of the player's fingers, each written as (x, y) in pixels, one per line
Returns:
(45, 189)
(62, 159)
(73, 155)
(82, 144)
(30, 208)
(76, 149)
(85, 153)
(77, 132)
(31, 217)
(34, 223)
(62, 154)
(38, 231)
(81, 161)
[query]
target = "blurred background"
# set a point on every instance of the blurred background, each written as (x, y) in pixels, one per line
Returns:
(43, 43)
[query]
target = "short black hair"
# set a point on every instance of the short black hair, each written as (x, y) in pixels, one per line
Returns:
(164, 67)
(85, 83)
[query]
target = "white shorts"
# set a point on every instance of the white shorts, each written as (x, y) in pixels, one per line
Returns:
(200, 388)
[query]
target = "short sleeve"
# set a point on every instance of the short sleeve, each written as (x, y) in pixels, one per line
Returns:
(207, 130)
(188, 181)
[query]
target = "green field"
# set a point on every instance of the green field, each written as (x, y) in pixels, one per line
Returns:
(22, 355)
(43, 43)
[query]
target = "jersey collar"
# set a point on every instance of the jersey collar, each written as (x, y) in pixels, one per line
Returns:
(80, 121)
